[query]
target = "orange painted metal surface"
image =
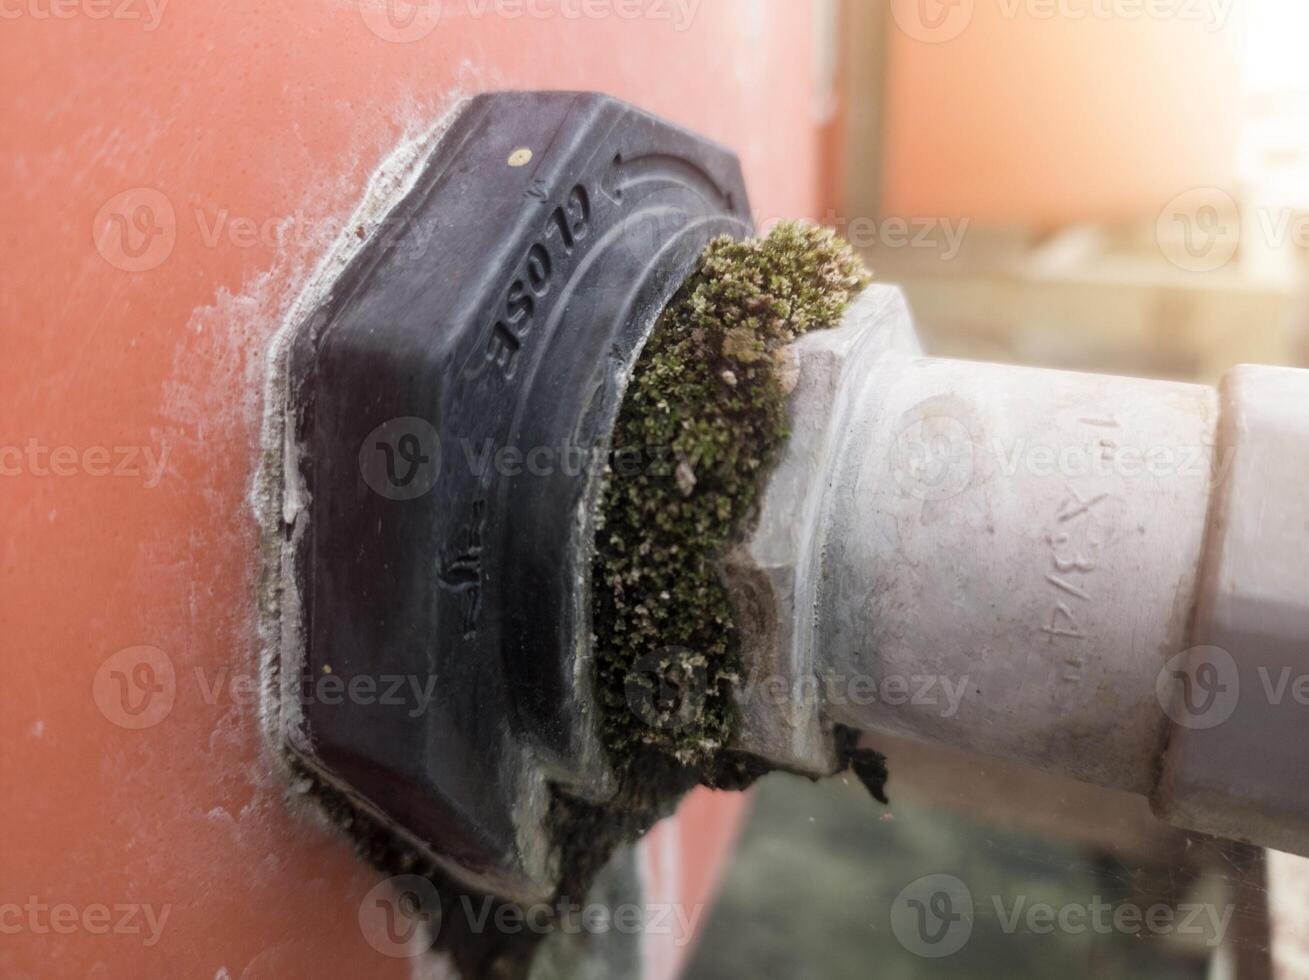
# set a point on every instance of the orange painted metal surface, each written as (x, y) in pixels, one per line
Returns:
(170, 175)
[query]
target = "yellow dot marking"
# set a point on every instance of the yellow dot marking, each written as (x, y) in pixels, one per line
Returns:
(521, 157)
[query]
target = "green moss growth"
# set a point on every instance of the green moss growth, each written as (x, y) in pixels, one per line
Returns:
(705, 416)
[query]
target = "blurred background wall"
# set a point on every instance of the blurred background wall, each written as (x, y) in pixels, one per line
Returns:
(1115, 185)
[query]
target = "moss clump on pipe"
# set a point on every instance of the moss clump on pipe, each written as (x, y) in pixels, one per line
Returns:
(702, 422)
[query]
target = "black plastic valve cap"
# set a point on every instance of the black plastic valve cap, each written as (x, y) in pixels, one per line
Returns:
(453, 402)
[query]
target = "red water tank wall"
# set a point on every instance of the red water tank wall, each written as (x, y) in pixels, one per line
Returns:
(170, 174)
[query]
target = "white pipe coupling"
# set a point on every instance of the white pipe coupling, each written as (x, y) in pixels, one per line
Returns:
(1101, 577)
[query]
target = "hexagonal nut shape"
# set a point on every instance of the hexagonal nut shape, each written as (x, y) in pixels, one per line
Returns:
(452, 403)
